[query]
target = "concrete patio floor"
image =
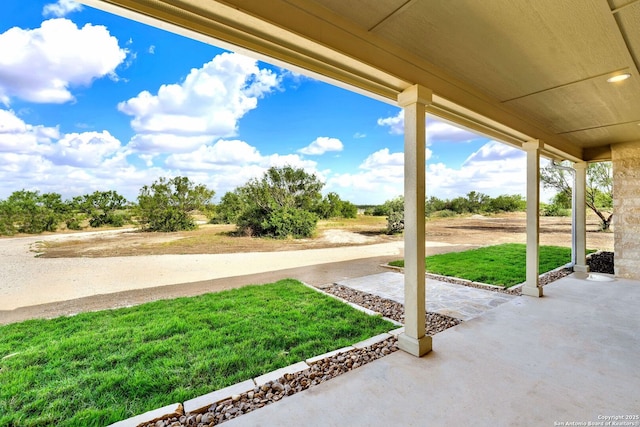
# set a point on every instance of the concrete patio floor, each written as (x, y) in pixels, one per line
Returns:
(461, 302)
(572, 356)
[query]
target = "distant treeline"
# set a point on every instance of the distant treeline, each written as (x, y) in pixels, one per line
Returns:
(473, 203)
(284, 202)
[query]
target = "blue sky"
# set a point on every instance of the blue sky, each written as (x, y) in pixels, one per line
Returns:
(91, 101)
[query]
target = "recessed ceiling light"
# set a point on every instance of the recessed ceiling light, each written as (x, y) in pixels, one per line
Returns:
(619, 78)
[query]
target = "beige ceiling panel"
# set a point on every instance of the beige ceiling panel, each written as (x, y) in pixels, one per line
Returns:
(586, 105)
(629, 19)
(621, 4)
(511, 48)
(605, 136)
(364, 13)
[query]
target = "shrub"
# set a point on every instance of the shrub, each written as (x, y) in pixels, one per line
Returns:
(289, 222)
(73, 223)
(166, 204)
(507, 203)
(229, 209)
(553, 210)
(282, 203)
(395, 222)
(446, 213)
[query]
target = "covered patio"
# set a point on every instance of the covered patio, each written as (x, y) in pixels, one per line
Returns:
(569, 357)
(558, 79)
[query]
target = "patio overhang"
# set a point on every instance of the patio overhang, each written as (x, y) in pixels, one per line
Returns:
(515, 87)
(530, 74)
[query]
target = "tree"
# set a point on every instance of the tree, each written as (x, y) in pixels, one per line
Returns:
(32, 212)
(599, 190)
(167, 204)
(394, 210)
(433, 204)
(230, 208)
(507, 203)
(477, 202)
(280, 204)
(331, 206)
(102, 207)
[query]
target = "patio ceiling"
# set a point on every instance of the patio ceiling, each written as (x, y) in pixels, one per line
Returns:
(514, 70)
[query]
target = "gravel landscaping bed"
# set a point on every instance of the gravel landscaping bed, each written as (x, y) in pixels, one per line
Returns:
(601, 262)
(393, 310)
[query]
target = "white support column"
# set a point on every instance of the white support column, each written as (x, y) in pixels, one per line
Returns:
(414, 340)
(581, 266)
(532, 286)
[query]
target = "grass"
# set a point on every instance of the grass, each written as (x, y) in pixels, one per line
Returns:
(96, 368)
(503, 265)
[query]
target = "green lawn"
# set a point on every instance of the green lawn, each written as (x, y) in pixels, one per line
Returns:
(503, 265)
(97, 368)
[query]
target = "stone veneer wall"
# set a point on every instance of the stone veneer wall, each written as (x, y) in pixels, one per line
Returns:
(626, 205)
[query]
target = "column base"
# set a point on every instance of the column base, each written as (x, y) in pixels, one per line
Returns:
(532, 292)
(417, 347)
(581, 271)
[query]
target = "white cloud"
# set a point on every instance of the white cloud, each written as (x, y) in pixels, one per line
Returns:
(61, 8)
(84, 150)
(380, 178)
(41, 65)
(18, 137)
(359, 135)
(445, 132)
(493, 169)
(395, 123)
(228, 164)
(212, 157)
(206, 105)
(163, 143)
(321, 145)
(436, 130)
(152, 49)
(39, 157)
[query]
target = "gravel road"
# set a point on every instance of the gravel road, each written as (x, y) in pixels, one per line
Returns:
(45, 287)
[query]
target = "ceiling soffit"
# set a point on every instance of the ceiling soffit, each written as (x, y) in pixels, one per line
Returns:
(546, 60)
(510, 50)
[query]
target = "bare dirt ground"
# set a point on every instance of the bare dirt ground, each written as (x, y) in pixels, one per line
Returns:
(477, 230)
(62, 274)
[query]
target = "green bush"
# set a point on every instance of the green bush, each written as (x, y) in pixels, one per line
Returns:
(7, 214)
(395, 222)
(169, 219)
(553, 210)
(73, 223)
(283, 223)
(31, 212)
(446, 213)
(166, 204)
(279, 223)
(507, 203)
(229, 209)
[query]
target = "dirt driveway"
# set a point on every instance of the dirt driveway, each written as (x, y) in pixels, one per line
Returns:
(477, 230)
(91, 271)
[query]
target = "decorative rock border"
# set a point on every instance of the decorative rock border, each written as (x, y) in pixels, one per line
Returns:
(233, 401)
